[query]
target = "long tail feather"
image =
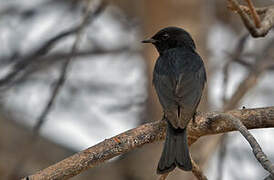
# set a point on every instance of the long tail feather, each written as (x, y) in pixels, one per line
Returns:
(175, 151)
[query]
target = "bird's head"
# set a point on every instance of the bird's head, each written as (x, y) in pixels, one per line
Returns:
(171, 37)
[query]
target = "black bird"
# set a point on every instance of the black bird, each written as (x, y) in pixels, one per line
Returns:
(179, 77)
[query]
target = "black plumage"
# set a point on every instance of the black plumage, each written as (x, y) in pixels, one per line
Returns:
(179, 77)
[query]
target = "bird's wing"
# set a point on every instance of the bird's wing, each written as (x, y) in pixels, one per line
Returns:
(164, 85)
(189, 86)
(190, 80)
(179, 84)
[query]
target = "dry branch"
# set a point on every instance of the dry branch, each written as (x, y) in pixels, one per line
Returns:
(257, 150)
(149, 133)
(254, 14)
(263, 26)
(163, 176)
(260, 10)
(197, 172)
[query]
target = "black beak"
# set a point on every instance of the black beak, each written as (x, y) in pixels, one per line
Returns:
(149, 41)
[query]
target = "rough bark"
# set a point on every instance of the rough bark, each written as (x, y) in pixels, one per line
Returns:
(204, 124)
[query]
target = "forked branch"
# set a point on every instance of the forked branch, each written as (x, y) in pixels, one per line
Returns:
(203, 125)
(260, 27)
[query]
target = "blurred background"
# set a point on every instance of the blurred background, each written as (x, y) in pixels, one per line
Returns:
(66, 85)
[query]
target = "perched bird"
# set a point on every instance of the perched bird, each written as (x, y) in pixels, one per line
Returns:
(179, 77)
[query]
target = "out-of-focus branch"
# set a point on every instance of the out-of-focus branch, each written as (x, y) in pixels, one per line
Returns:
(239, 60)
(261, 64)
(163, 176)
(85, 53)
(51, 59)
(24, 63)
(248, 83)
(269, 177)
(204, 125)
(234, 57)
(58, 56)
(197, 172)
(221, 156)
(261, 27)
(91, 13)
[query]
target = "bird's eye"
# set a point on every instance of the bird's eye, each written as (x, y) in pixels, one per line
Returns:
(165, 36)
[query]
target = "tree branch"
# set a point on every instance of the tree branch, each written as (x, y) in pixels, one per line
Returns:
(257, 150)
(254, 14)
(90, 14)
(163, 176)
(197, 172)
(149, 133)
(260, 10)
(25, 62)
(263, 27)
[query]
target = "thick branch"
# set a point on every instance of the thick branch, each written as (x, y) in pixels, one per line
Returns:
(149, 133)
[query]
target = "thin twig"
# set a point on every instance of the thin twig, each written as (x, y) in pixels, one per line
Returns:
(240, 60)
(266, 24)
(87, 18)
(64, 68)
(257, 150)
(163, 176)
(260, 10)
(269, 177)
(255, 70)
(29, 59)
(24, 63)
(221, 156)
(149, 133)
(197, 172)
(235, 57)
(254, 14)
(261, 65)
(51, 59)
(60, 55)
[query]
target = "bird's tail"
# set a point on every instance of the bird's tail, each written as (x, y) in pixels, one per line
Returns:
(175, 151)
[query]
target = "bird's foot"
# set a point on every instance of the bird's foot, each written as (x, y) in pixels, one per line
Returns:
(163, 117)
(197, 113)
